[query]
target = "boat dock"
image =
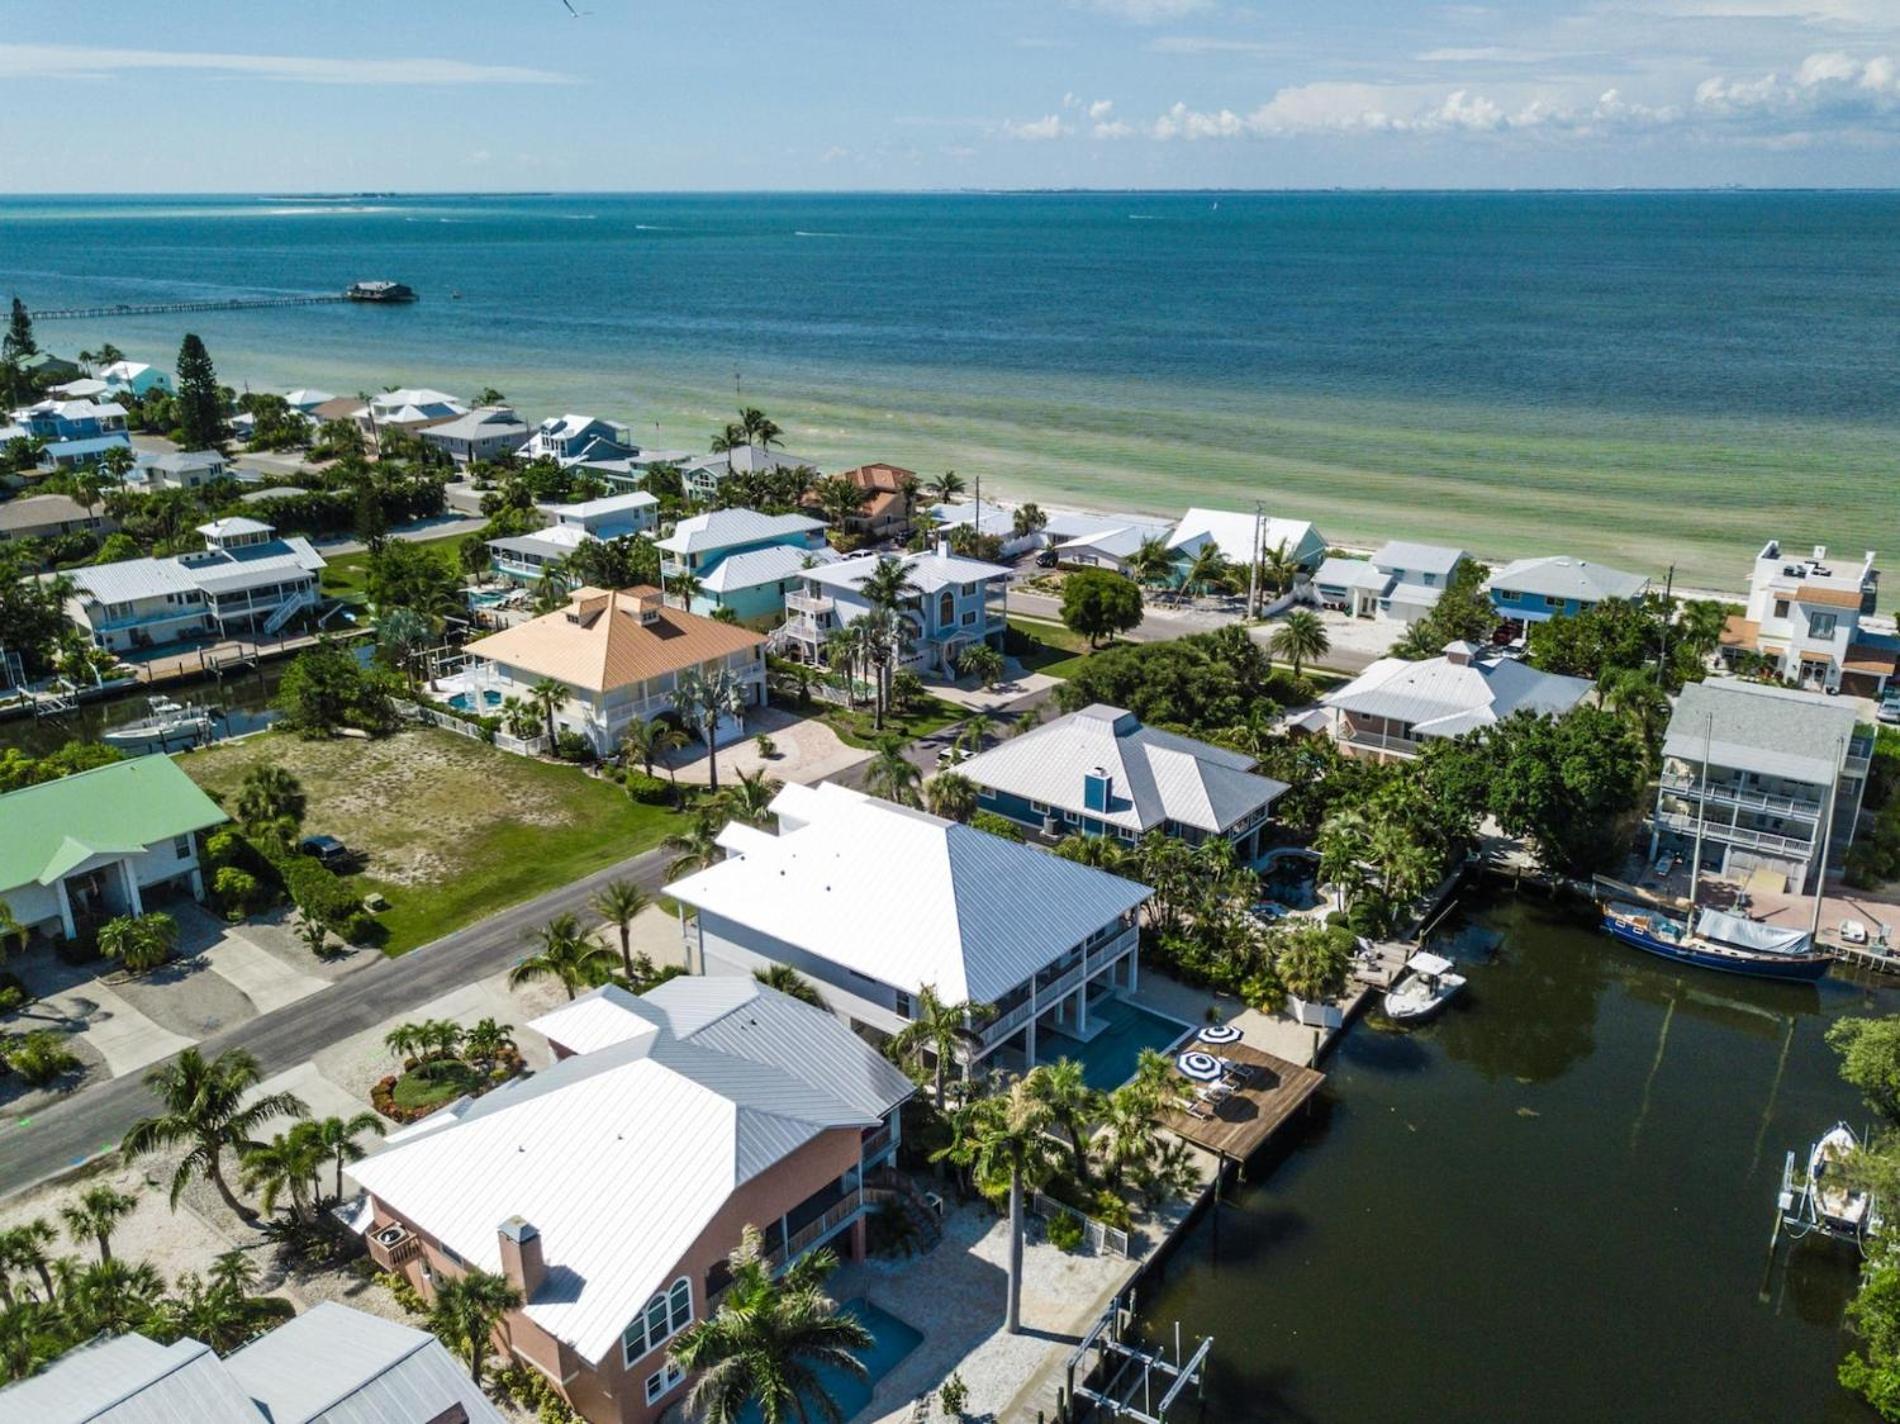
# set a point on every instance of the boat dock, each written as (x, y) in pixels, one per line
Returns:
(1241, 1124)
(164, 308)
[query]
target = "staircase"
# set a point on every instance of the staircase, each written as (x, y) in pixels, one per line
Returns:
(888, 1186)
(288, 610)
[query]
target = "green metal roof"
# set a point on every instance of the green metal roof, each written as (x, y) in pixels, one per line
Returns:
(47, 830)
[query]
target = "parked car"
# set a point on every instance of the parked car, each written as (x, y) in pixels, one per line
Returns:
(1047, 559)
(329, 851)
(1890, 708)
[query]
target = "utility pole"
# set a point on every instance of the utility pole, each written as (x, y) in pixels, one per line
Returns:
(1827, 838)
(1253, 565)
(1669, 611)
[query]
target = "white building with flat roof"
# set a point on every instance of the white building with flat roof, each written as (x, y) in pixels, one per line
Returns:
(1807, 618)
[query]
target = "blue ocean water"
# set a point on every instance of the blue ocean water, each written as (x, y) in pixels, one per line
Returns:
(1656, 377)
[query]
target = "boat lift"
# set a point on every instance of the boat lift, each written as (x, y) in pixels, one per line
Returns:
(1798, 1211)
(1122, 1380)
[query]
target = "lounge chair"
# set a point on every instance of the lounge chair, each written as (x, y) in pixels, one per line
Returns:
(1235, 1074)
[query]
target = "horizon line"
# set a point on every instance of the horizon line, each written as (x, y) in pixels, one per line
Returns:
(1042, 190)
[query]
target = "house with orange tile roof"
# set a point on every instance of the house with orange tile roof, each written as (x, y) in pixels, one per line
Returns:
(1807, 617)
(618, 655)
(890, 494)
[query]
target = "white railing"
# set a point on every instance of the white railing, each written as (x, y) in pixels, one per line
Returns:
(448, 722)
(1099, 1236)
(1736, 835)
(1739, 796)
(289, 609)
(1001, 1027)
(815, 604)
(1099, 959)
(1377, 741)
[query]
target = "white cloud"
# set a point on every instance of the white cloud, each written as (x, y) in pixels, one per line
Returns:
(1834, 90)
(30, 61)
(1210, 44)
(1485, 54)
(1146, 12)
(1099, 110)
(1049, 126)
(834, 154)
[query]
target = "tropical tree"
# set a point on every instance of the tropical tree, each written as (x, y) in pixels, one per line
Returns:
(204, 1109)
(565, 953)
(336, 1136)
(1300, 638)
(25, 1248)
(109, 1297)
(892, 775)
(1208, 571)
(749, 799)
(1152, 563)
(703, 698)
(467, 1309)
(96, 1215)
(32, 1335)
(546, 695)
(981, 662)
(946, 487)
(789, 982)
(1004, 1142)
(1099, 604)
(270, 802)
(1028, 519)
(117, 463)
(287, 1164)
(934, 1034)
(199, 404)
(619, 903)
(695, 848)
(767, 1344)
(1278, 568)
(486, 1041)
(139, 942)
(952, 795)
(314, 933)
(402, 633)
(1073, 1106)
(840, 499)
(640, 742)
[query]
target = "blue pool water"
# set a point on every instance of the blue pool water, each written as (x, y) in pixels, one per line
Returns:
(1108, 1059)
(891, 1340)
(462, 702)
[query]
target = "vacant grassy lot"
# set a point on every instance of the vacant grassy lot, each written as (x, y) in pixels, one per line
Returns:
(348, 573)
(450, 829)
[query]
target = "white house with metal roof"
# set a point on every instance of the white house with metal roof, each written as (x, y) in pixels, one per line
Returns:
(610, 1187)
(957, 602)
(1762, 773)
(1393, 707)
(486, 433)
(1244, 538)
(874, 902)
(743, 560)
(1557, 586)
(135, 378)
(176, 469)
(1100, 772)
(1102, 542)
(569, 439)
(330, 1365)
(1403, 581)
(245, 582)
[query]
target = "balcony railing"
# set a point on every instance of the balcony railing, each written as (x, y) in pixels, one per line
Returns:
(1377, 741)
(876, 1142)
(1731, 795)
(1737, 835)
(815, 604)
(835, 1215)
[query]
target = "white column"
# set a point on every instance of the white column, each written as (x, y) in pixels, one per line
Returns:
(131, 887)
(66, 911)
(1082, 1008)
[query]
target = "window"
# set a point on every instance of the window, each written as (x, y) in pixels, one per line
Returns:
(181, 847)
(946, 609)
(969, 588)
(1551, 600)
(666, 1315)
(1781, 608)
(1428, 579)
(1822, 625)
(663, 1379)
(901, 1004)
(969, 618)
(1038, 807)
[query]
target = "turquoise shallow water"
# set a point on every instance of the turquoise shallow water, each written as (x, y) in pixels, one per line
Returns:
(1650, 377)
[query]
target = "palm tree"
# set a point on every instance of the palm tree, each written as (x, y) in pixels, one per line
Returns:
(486, 1042)
(1637, 696)
(404, 1040)
(288, 1163)
(749, 799)
(789, 982)
(204, 1108)
(1152, 563)
(1278, 568)
(139, 942)
(1343, 846)
(97, 1214)
(313, 932)
(117, 463)
(756, 428)
(473, 559)
(1208, 571)
(952, 795)
(32, 1336)
(619, 903)
(467, 1310)
(946, 487)
(695, 848)
(1005, 1139)
(685, 587)
(1073, 1105)
(401, 633)
(1300, 638)
(935, 1031)
(546, 695)
(337, 1137)
(703, 698)
(23, 1248)
(271, 802)
(667, 740)
(566, 954)
(109, 1297)
(892, 775)
(640, 741)
(767, 1343)
(1102, 852)
(848, 649)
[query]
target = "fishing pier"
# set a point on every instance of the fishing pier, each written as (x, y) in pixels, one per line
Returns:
(164, 308)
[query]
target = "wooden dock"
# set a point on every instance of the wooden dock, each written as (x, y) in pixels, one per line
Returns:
(1242, 1124)
(160, 308)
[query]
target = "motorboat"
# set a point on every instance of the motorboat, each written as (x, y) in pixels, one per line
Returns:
(166, 723)
(1428, 986)
(1839, 1206)
(1733, 944)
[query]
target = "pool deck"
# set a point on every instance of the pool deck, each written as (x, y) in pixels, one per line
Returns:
(1243, 1123)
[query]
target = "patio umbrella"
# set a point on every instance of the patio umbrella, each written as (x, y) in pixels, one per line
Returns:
(1199, 1067)
(1219, 1033)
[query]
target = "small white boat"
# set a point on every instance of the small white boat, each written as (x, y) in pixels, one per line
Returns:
(1840, 1208)
(1425, 990)
(169, 722)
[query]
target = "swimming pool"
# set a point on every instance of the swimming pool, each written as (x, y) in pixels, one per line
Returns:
(1108, 1059)
(891, 1340)
(462, 702)
(1293, 881)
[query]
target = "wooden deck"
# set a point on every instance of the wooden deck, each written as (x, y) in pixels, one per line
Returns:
(1241, 1125)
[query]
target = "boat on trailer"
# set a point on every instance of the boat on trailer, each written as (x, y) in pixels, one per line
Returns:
(1424, 991)
(1731, 944)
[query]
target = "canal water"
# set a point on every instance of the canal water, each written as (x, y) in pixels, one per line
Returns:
(1554, 1204)
(241, 699)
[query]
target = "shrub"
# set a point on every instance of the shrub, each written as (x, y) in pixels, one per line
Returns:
(13, 992)
(319, 892)
(767, 747)
(40, 1057)
(1111, 1210)
(954, 1395)
(139, 942)
(572, 746)
(996, 825)
(1065, 1234)
(236, 892)
(648, 790)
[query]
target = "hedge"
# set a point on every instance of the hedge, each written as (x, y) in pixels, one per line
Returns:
(648, 790)
(316, 890)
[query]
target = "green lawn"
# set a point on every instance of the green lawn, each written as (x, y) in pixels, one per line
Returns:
(442, 1083)
(348, 573)
(451, 830)
(1052, 649)
(855, 726)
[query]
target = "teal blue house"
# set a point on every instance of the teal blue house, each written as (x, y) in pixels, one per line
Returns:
(1533, 590)
(743, 560)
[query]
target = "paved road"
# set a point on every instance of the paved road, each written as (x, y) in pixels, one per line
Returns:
(1160, 625)
(68, 1132)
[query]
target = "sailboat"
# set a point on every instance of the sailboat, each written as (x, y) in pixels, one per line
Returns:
(1715, 939)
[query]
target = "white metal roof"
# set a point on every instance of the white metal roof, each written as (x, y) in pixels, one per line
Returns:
(620, 1158)
(1443, 698)
(131, 579)
(1352, 573)
(1750, 726)
(594, 508)
(761, 566)
(1418, 558)
(1233, 532)
(1156, 776)
(488, 423)
(1559, 576)
(305, 398)
(129, 1379)
(233, 524)
(929, 572)
(909, 899)
(723, 528)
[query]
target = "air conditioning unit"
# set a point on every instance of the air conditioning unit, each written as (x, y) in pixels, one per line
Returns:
(391, 1235)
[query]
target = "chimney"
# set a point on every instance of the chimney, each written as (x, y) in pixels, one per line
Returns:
(521, 1260)
(1459, 654)
(943, 548)
(1098, 788)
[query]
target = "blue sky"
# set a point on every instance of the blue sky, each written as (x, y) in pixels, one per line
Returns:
(710, 94)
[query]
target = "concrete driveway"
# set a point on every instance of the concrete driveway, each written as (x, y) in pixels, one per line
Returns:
(805, 751)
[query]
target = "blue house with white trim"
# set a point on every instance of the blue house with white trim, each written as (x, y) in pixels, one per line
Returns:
(743, 560)
(1534, 590)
